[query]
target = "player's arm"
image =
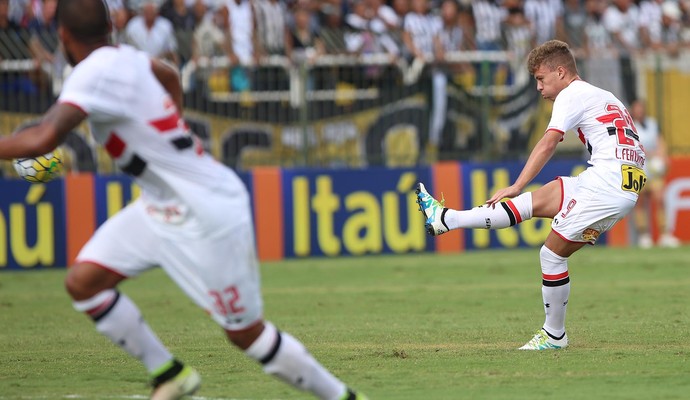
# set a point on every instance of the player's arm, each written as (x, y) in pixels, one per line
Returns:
(170, 79)
(39, 139)
(539, 156)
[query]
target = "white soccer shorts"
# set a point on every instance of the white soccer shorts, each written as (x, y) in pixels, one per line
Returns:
(589, 208)
(220, 274)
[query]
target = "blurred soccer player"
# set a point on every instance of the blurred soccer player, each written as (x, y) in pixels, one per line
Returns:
(193, 217)
(582, 207)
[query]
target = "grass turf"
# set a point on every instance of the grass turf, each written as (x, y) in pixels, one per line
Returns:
(418, 326)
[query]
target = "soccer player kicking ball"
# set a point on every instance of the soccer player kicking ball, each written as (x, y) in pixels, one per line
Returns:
(582, 207)
(193, 218)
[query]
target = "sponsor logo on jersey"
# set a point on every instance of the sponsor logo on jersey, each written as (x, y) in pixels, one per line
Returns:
(633, 178)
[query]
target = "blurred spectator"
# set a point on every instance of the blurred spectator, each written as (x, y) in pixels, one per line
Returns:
(367, 33)
(452, 37)
(420, 31)
(597, 39)
(401, 8)
(16, 12)
(572, 30)
(449, 39)
(177, 12)
(43, 29)
(601, 66)
(120, 18)
(655, 167)
(30, 10)
(242, 43)
(212, 39)
(302, 42)
(10, 41)
(519, 36)
(545, 16)
(242, 30)
(649, 21)
(199, 10)
(422, 37)
(622, 21)
(331, 18)
(488, 16)
(666, 35)
(152, 33)
(384, 13)
(466, 23)
(6, 24)
(271, 24)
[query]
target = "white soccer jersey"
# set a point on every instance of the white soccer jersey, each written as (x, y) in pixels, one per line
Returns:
(186, 191)
(605, 127)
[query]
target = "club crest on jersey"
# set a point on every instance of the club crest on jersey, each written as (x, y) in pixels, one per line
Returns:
(590, 235)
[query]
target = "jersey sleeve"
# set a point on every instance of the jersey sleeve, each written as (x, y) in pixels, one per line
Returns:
(88, 89)
(567, 112)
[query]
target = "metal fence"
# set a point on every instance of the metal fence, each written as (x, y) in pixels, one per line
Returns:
(340, 110)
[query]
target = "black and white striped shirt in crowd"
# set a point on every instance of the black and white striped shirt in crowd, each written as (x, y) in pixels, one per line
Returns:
(488, 16)
(544, 14)
(422, 29)
(270, 24)
(518, 39)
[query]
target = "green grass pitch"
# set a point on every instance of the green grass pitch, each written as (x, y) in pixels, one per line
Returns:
(417, 326)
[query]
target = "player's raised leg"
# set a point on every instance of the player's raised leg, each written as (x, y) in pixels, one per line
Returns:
(544, 202)
(440, 219)
(93, 290)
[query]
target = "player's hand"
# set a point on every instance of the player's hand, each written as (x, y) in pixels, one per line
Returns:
(509, 192)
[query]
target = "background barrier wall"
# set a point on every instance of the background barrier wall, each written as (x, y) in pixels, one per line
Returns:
(306, 212)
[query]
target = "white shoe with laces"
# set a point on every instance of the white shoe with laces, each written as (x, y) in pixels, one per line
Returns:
(542, 341)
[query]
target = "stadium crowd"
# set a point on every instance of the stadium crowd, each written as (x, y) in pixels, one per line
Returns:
(247, 31)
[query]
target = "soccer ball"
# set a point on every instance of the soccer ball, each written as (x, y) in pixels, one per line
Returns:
(39, 169)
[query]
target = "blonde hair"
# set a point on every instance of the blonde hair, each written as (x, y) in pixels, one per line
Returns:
(552, 54)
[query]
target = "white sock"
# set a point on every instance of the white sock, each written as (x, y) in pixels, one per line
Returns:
(285, 357)
(502, 215)
(555, 291)
(119, 319)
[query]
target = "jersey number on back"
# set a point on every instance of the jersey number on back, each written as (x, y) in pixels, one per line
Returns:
(623, 127)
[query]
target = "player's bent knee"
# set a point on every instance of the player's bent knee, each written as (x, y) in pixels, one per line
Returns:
(552, 263)
(246, 337)
(84, 281)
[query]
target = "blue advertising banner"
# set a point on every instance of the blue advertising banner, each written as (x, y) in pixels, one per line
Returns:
(338, 212)
(32, 222)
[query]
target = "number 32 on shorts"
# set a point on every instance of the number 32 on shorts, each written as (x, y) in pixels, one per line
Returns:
(633, 178)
